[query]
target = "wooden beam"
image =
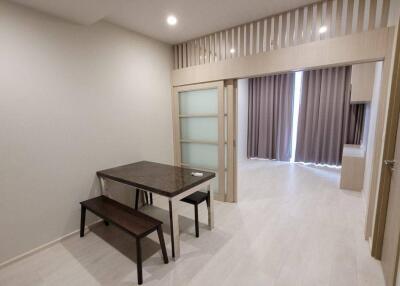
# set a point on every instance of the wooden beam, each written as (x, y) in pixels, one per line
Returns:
(350, 49)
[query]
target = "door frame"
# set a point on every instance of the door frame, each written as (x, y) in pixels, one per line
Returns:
(231, 110)
(388, 154)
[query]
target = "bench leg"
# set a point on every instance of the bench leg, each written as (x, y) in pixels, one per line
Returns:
(83, 217)
(147, 197)
(137, 199)
(139, 261)
(196, 219)
(162, 244)
(151, 198)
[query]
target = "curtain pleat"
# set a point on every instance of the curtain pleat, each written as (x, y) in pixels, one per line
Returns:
(270, 114)
(323, 115)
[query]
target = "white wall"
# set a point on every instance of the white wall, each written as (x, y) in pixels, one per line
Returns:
(242, 105)
(371, 117)
(73, 100)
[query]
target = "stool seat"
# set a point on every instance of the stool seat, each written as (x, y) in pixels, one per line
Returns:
(195, 198)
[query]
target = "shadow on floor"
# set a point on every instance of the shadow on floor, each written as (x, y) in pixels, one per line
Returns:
(124, 242)
(109, 268)
(186, 224)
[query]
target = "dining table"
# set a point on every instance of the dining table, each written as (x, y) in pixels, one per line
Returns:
(171, 182)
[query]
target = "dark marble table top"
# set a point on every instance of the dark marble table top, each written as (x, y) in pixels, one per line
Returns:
(162, 179)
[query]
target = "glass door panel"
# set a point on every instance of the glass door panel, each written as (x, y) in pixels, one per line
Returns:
(203, 101)
(199, 128)
(204, 156)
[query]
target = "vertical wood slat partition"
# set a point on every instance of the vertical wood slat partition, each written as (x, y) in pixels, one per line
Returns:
(294, 27)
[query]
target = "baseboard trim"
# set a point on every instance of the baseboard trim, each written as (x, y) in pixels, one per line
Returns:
(43, 246)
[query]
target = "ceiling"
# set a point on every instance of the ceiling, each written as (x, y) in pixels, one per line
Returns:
(195, 17)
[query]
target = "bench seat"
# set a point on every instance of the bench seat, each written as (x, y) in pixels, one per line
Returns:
(135, 223)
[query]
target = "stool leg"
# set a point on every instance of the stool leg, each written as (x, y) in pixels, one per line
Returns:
(196, 219)
(151, 198)
(139, 261)
(143, 197)
(137, 199)
(162, 244)
(83, 216)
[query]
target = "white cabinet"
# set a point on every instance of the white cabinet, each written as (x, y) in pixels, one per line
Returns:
(353, 165)
(362, 82)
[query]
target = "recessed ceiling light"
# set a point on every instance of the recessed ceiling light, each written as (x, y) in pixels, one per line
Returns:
(171, 20)
(232, 51)
(323, 29)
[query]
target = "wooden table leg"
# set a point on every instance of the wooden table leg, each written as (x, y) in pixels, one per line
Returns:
(210, 207)
(174, 222)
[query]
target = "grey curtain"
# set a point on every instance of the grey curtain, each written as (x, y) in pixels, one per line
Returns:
(270, 115)
(324, 114)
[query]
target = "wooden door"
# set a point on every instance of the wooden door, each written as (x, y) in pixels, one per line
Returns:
(384, 191)
(390, 247)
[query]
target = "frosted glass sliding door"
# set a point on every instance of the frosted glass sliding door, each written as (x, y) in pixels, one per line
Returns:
(199, 131)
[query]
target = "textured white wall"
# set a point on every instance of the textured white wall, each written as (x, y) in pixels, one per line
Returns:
(371, 116)
(73, 100)
(243, 86)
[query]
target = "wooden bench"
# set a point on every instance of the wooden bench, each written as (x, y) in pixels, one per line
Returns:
(135, 223)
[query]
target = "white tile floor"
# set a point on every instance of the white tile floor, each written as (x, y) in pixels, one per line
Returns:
(292, 226)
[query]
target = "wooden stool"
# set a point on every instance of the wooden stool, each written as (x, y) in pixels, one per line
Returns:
(135, 223)
(195, 199)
